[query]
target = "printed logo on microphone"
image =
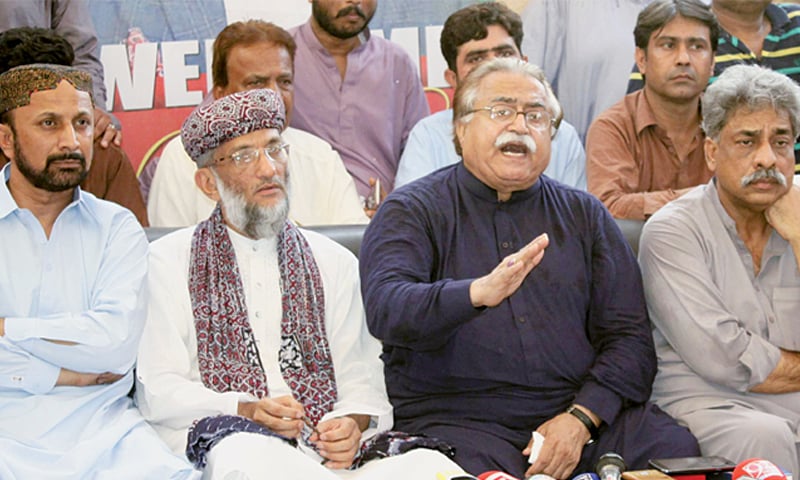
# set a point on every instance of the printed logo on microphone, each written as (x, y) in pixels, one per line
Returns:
(761, 469)
(758, 469)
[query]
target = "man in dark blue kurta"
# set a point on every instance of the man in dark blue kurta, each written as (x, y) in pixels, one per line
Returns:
(555, 338)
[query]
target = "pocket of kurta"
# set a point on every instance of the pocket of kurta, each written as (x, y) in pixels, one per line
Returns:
(785, 330)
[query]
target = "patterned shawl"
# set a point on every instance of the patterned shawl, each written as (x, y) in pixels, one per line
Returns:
(227, 352)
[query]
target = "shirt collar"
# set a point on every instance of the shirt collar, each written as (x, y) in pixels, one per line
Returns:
(644, 116)
(485, 192)
(776, 244)
(7, 203)
(243, 243)
(778, 18)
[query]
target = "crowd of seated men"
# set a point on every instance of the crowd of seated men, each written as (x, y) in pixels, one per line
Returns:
(321, 290)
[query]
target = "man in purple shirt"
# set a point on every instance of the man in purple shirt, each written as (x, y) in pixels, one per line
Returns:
(359, 92)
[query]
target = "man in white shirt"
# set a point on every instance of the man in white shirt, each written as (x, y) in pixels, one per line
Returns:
(72, 304)
(248, 55)
(256, 341)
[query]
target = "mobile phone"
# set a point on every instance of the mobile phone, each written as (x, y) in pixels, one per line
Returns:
(686, 465)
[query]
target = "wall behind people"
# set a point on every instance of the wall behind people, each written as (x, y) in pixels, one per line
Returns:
(156, 54)
(585, 48)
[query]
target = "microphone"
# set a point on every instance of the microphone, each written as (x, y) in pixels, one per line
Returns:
(610, 466)
(758, 469)
(496, 475)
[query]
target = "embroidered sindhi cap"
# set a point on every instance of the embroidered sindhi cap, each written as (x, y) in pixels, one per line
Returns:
(229, 117)
(18, 84)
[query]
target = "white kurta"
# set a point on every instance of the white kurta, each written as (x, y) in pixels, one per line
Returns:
(83, 284)
(170, 392)
(321, 190)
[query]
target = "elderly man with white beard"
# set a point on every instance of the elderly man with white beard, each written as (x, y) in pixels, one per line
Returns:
(256, 359)
(510, 303)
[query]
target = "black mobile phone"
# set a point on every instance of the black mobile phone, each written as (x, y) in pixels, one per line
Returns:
(686, 465)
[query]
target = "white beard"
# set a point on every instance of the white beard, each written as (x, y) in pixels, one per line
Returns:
(253, 220)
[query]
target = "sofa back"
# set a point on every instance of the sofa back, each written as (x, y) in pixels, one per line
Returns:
(350, 236)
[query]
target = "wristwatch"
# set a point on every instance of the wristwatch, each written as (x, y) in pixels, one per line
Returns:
(587, 422)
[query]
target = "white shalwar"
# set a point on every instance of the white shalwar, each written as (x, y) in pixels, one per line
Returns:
(171, 394)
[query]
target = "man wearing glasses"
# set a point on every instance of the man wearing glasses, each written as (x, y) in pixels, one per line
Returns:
(470, 36)
(256, 360)
(509, 303)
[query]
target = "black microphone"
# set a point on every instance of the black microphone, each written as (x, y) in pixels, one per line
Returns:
(610, 466)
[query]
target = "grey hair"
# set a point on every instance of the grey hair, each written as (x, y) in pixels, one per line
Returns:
(466, 93)
(754, 88)
(206, 159)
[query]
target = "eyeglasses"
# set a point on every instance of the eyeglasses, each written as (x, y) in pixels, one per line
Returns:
(504, 114)
(246, 156)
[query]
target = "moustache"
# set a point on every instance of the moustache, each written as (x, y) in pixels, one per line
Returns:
(764, 174)
(511, 137)
(66, 156)
(352, 8)
(689, 73)
(274, 181)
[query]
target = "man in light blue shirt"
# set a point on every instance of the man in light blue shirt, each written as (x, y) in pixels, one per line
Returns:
(72, 302)
(470, 37)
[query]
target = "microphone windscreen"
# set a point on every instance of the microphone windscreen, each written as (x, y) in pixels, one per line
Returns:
(759, 469)
(496, 475)
(610, 459)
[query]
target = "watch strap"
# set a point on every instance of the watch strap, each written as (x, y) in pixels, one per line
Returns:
(587, 422)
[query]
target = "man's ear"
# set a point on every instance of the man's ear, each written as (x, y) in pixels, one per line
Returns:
(451, 78)
(7, 141)
(207, 183)
(640, 56)
(710, 147)
(459, 130)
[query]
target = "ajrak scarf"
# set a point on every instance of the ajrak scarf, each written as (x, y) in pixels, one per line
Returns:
(227, 352)
(228, 356)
